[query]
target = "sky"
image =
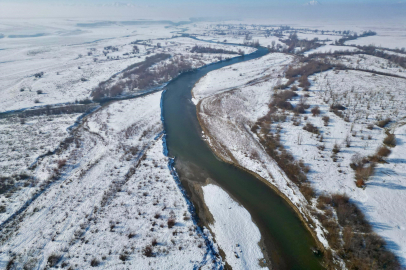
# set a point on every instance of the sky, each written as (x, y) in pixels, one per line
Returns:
(184, 9)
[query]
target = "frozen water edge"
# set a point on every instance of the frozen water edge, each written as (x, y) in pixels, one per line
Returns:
(212, 250)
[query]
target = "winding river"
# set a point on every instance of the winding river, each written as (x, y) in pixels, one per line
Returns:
(287, 242)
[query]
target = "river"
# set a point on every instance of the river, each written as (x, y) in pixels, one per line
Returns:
(288, 243)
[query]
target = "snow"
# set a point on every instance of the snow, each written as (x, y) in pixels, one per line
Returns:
(75, 65)
(115, 194)
(237, 75)
(331, 49)
(388, 39)
(20, 147)
(235, 232)
(113, 198)
(243, 100)
(230, 104)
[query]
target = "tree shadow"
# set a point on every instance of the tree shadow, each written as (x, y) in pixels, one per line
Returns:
(387, 185)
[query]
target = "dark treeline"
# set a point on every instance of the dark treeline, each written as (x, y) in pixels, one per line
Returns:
(201, 49)
(143, 75)
(368, 50)
(305, 45)
(78, 107)
(349, 37)
(68, 109)
(104, 89)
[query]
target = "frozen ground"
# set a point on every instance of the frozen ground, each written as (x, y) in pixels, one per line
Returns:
(23, 141)
(230, 103)
(386, 40)
(235, 232)
(72, 68)
(107, 198)
(115, 204)
(331, 49)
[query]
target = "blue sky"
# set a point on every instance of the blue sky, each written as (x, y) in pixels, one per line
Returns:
(284, 9)
(238, 2)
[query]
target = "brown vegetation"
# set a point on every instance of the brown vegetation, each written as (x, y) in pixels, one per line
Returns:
(359, 246)
(383, 151)
(171, 222)
(315, 111)
(390, 139)
(202, 49)
(311, 128)
(147, 251)
(142, 75)
(383, 123)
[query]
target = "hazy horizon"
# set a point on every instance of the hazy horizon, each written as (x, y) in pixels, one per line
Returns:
(181, 10)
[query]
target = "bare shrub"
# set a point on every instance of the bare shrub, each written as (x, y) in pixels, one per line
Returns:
(311, 128)
(280, 98)
(357, 160)
(154, 242)
(123, 256)
(147, 251)
(299, 109)
(365, 172)
(338, 113)
(370, 126)
(53, 259)
(348, 141)
(337, 106)
(94, 262)
(360, 183)
(383, 123)
(390, 140)
(171, 222)
(61, 163)
(383, 151)
(326, 119)
(307, 191)
(336, 148)
(315, 111)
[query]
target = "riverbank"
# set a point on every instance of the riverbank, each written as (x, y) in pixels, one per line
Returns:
(304, 218)
(287, 240)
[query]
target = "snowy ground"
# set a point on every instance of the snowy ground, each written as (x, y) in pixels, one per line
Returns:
(22, 144)
(230, 104)
(235, 232)
(331, 49)
(106, 197)
(113, 200)
(391, 40)
(72, 67)
(371, 63)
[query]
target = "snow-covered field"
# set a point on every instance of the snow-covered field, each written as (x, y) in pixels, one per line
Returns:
(331, 49)
(371, 63)
(106, 197)
(115, 204)
(72, 68)
(22, 144)
(230, 103)
(389, 40)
